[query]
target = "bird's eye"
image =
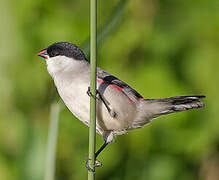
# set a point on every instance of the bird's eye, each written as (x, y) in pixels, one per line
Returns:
(55, 53)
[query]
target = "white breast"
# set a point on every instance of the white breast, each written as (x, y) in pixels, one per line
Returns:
(75, 97)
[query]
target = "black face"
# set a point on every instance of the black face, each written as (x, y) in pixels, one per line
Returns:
(65, 49)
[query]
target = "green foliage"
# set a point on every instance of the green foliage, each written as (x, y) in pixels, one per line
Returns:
(161, 48)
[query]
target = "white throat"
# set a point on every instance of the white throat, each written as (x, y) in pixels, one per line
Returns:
(59, 64)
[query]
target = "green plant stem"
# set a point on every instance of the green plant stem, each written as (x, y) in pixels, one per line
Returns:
(93, 63)
(110, 26)
(52, 140)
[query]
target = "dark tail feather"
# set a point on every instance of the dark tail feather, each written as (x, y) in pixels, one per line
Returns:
(181, 103)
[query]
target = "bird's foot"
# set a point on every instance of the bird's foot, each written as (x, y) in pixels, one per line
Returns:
(97, 164)
(91, 95)
(107, 105)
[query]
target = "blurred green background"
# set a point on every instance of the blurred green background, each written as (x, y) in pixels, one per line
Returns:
(162, 48)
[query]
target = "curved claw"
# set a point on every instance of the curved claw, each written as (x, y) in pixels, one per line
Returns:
(97, 164)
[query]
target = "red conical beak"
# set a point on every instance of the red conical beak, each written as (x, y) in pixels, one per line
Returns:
(43, 53)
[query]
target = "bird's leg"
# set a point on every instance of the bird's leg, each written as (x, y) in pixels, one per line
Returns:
(108, 107)
(97, 163)
(101, 149)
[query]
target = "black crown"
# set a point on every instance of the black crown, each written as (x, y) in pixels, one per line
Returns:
(65, 49)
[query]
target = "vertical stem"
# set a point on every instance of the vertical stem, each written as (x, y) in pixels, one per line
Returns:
(93, 57)
(52, 140)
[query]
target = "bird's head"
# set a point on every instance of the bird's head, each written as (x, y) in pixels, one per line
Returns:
(62, 49)
(61, 55)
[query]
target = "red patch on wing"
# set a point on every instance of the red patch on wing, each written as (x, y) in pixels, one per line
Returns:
(112, 85)
(115, 87)
(100, 81)
(140, 99)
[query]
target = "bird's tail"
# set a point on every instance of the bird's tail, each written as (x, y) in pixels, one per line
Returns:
(178, 103)
(152, 108)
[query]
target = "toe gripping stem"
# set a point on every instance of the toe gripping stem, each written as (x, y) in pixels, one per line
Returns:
(108, 107)
(97, 164)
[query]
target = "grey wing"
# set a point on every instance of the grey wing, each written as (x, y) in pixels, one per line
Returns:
(110, 79)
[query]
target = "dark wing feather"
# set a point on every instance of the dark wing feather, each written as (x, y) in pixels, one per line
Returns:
(110, 79)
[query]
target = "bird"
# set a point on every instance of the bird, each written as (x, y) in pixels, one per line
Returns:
(119, 108)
